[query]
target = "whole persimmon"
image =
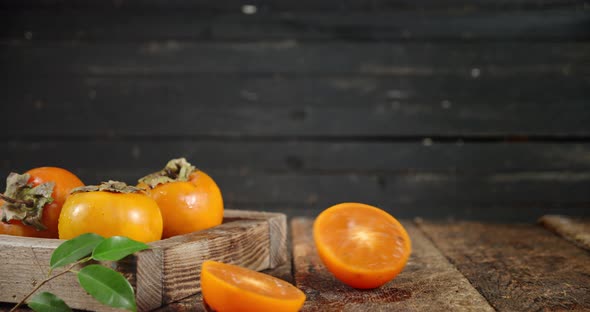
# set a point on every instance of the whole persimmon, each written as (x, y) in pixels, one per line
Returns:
(33, 201)
(188, 198)
(111, 209)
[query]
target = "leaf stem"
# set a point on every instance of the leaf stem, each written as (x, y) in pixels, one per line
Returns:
(69, 269)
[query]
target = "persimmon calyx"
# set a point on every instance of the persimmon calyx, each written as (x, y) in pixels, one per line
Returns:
(176, 170)
(25, 202)
(110, 186)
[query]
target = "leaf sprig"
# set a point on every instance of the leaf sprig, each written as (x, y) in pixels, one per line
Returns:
(107, 286)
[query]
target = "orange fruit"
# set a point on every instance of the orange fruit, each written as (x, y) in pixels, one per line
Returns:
(189, 206)
(63, 182)
(363, 246)
(227, 287)
(188, 198)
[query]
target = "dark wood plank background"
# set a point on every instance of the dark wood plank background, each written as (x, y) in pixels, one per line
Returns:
(464, 109)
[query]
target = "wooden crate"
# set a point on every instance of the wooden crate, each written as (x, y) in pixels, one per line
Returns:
(166, 273)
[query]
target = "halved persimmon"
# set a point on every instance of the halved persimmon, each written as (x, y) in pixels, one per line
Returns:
(227, 287)
(363, 246)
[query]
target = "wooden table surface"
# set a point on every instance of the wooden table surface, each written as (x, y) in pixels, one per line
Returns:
(455, 266)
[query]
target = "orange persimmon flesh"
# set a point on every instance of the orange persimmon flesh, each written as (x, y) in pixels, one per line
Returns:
(361, 245)
(227, 287)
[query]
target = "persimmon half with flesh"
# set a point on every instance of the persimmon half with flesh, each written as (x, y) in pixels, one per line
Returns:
(363, 246)
(227, 287)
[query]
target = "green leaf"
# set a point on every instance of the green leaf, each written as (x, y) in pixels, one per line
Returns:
(74, 249)
(48, 302)
(107, 286)
(116, 248)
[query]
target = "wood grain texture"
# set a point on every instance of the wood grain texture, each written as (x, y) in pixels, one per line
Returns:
(576, 230)
(150, 274)
(272, 58)
(273, 107)
(241, 242)
(516, 267)
(259, 156)
(278, 236)
(338, 6)
(429, 281)
(117, 25)
(361, 78)
(25, 262)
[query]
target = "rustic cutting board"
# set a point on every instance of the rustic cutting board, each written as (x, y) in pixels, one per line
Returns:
(166, 273)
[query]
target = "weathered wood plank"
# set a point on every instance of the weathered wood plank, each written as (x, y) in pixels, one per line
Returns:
(272, 5)
(150, 274)
(330, 106)
(242, 243)
(516, 267)
(26, 263)
(576, 230)
(277, 229)
(82, 25)
(429, 281)
(22, 59)
(327, 157)
(424, 94)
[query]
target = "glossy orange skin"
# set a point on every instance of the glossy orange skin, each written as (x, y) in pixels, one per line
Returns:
(228, 287)
(363, 246)
(189, 206)
(134, 215)
(65, 181)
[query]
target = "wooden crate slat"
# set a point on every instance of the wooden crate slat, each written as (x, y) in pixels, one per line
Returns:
(278, 252)
(25, 262)
(245, 243)
(150, 274)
